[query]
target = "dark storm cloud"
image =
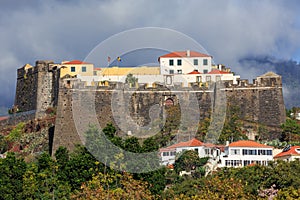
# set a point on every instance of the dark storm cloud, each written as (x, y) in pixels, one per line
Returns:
(64, 30)
(288, 69)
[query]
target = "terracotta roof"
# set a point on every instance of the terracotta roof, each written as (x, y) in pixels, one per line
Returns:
(290, 152)
(75, 62)
(194, 72)
(167, 149)
(170, 166)
(97, 68)
(251, 164)
(216, 71)
(177, 54)
(248, 143)
(3, 118)
(192, 143)
(209, 145)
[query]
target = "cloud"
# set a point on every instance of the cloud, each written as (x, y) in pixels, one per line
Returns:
(288, 69)
(64, 30)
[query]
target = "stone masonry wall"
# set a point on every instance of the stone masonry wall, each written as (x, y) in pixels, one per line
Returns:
(37, 87)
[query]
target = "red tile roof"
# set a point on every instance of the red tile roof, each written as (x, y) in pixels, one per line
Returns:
(216, 71)
(3, 118)
(290, 152)
(194, 72)
(192, 143)
(75, 62)
(209, 145)
(248, 143)
(177, 54)
(97, 68)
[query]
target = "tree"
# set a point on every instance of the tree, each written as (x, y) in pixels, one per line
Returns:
(232, 128)
(130, 79)
(132, 144)
(156, 179)
(150, 144)
(3, 144)
(288, 193)
(189, 160)
(289, 128)
(12, 170)
(101, 187)
(109, 130)
(16, 133)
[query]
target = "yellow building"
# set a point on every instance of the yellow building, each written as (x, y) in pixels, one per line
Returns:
(122, 71)
(76, 67)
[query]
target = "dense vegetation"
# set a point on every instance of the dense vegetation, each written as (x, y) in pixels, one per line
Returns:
(78, 175)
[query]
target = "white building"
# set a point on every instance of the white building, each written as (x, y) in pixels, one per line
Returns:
(246, 152)
(183, 68)
(168, 154)
(184, 62)
(289, 154)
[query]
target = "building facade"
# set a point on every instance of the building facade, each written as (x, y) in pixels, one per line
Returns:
(168, 154)
(75, 67)
(184, 62)
(290, 153)
(246, 152)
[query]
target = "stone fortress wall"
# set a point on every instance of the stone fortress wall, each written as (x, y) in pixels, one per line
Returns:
(39, 88)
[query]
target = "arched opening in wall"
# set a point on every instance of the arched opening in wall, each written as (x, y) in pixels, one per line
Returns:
(169, 102)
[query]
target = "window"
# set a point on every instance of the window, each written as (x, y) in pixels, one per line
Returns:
(249, 152)
(171, 71)
(205, 71)
(169, 80)
(206, 151)
(165, 153)
(232, 163)
(196, 149)
(218, 78)
(208, 78)
(179, 62)
(95, 73)
(198, 79)
(204, 61)
(234, 151)
(171, 62)
(173, 153)
(246, 162)
(179, 71)
(195, 61)
(83, 69)
(73, 69)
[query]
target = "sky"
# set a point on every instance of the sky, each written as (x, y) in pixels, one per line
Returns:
(66, 30)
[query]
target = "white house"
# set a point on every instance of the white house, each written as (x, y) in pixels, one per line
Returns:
(289, 154)
(246, 152)
(168, 154)
(184, 62)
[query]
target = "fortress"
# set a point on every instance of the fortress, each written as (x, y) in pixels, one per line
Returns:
(43, 86)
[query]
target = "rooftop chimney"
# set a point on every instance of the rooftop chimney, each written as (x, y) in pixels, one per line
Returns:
(188, 53)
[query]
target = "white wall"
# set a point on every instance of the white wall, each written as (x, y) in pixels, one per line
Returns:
(242, 158)
(187, 65)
